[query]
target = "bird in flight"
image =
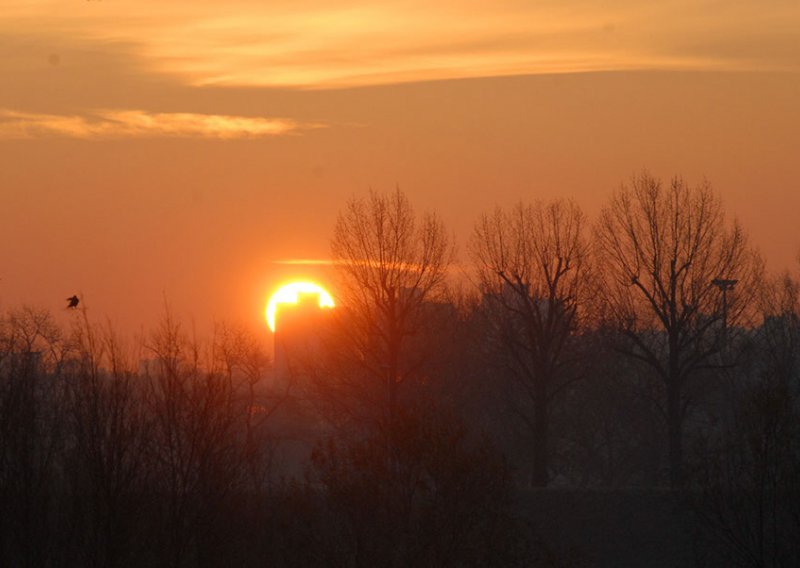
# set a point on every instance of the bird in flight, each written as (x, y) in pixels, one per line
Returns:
(73, 302)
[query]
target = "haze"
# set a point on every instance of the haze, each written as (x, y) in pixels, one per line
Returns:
(195, 151)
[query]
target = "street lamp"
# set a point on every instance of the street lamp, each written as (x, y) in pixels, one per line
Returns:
(724, 285)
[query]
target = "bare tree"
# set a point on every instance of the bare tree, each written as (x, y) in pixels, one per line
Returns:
(32, 355)
(199, 406)
(532, 264)
(749, 498)
(107, 459)
(236, 353)
(670, 262)
(748, 501)
(442, 500)
(392, 266)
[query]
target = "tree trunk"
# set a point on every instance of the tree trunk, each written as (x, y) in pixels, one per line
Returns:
(675, 433)
(539, 476)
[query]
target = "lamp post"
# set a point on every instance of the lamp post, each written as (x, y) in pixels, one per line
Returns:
(724, 284)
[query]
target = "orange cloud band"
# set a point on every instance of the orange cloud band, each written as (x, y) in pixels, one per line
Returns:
(107, 124)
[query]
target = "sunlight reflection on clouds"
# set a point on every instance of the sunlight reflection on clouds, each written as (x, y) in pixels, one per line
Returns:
(106, 124)
(354, 42)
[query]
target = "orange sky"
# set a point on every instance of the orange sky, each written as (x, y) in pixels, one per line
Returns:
(182, 149)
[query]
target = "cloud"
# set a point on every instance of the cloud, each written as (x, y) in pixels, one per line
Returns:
(116, 124)
(396, 265)
(324, 43)
(304, 262)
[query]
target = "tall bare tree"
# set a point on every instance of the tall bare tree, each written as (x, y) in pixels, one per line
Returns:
(532, 264)
(200, 399)
(33, 352)
(392, 265)
(748, 501)
(109, 432)
(670, 263)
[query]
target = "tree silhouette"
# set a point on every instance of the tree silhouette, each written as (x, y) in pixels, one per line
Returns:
(748, 499)
(436, 498)
(532, 265)
(392, 266)
(110, 435)
(200, 402)
(660, 249)
(32, 355)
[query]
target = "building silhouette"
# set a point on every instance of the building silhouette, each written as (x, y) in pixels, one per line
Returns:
(298, 336)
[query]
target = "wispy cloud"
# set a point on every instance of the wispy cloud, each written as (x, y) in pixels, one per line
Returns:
(111, 124)
(304, 262)
(396, 265)
(326, 43)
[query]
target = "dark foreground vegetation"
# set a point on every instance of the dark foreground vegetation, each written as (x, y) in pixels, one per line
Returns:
(624, 394)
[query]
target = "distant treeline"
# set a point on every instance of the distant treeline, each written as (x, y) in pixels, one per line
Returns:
(648, 349)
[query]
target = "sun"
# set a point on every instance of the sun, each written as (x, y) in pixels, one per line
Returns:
(287, 294)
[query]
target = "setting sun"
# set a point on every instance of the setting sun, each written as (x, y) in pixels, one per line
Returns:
(288, 294)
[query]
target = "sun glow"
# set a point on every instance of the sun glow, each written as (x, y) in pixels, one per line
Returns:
(288, 294)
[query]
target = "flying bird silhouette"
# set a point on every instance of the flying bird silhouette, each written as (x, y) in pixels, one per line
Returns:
(73, 302)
